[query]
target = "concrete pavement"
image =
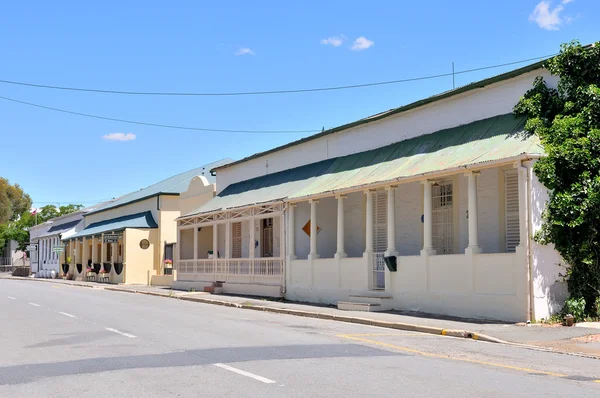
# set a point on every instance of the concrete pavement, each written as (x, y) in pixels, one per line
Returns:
(64, 340)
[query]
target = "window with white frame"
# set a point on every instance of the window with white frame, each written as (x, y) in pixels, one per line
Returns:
(511, 210)
(442, 201)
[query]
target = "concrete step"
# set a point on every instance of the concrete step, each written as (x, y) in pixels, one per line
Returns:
(369, 298)
(352, 306)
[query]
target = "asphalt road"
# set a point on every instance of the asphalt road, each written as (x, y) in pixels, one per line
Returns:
(64, 341)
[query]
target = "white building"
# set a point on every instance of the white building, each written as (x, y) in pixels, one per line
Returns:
(444, 185)
(49, 234)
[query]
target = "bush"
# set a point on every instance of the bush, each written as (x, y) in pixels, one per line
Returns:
(576, 307)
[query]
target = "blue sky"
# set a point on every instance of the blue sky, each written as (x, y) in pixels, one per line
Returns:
(233, 46)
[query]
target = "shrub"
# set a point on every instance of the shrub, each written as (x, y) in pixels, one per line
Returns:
(576, 307)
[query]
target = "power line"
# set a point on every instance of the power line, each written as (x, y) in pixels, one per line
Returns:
(157, 124)
(293, 91)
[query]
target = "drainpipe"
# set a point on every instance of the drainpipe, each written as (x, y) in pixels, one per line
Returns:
(284, 256)
(529, 228)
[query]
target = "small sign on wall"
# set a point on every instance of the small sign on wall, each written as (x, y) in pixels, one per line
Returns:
(306, 228)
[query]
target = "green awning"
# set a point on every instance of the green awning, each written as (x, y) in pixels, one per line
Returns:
(487, 140)
(139, 220)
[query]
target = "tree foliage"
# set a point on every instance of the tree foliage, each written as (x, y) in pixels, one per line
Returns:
(13, 201)
(567, 121)
(18, 230)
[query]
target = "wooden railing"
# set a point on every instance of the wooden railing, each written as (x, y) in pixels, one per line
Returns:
(253, 267)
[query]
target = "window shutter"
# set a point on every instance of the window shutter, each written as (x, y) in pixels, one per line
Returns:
(236, 240)
(511, 210)
(380, 221)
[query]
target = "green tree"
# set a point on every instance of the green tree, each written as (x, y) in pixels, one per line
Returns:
(13, 201)
(18, 230)
(567, 121)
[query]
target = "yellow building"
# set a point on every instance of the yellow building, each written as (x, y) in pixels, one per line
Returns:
(129, 239)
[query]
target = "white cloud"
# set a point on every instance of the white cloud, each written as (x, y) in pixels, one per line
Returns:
(119, 137)
(335, 41)
(549, 18)
(362, 43)
(244, 51)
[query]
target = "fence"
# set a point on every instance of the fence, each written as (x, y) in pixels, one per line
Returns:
(225, 269)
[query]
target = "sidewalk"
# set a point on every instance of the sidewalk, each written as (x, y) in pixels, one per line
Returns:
(572, 340)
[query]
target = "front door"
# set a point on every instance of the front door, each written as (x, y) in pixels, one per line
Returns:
(379, 237)
(443, 212)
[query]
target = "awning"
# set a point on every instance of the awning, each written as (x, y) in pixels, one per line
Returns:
(487, 140)
(139, 220)
(60, 228)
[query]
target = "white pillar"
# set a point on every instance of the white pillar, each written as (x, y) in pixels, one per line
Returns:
(313, 230)
(178, 247)
(369, 224)
(473, 247)
(252, 240)
(281, 236)
(195, 242)
(341, 250)
(228, 239)
(215, 240)
(391, 222)
(292, 231)
(427, 220)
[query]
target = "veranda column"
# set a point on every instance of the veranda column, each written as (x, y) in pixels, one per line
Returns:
(215, 240)
(84, 254)
(313, 230)
(228, 239)
(195, 243)
(102, 251)
(341, 250)
(252, 240)
(177, 247)
(94, 250)
(369, 224)
(427, 220)
(473, 247)
(292, 231)
(391, 222)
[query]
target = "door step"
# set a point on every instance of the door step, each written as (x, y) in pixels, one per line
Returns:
(351, 306)
(369, 302)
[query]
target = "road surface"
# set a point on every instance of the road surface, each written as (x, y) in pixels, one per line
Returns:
(66, 341)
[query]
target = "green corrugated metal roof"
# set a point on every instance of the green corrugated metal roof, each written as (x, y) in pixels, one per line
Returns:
(139, 220)
(482, 141)
(171, 186)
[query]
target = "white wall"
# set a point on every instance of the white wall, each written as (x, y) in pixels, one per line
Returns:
(409, 228)
(354, 224)
(492, 100)
(549, 291)
(481, 286)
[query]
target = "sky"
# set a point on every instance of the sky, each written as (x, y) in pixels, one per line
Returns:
(233, 46)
